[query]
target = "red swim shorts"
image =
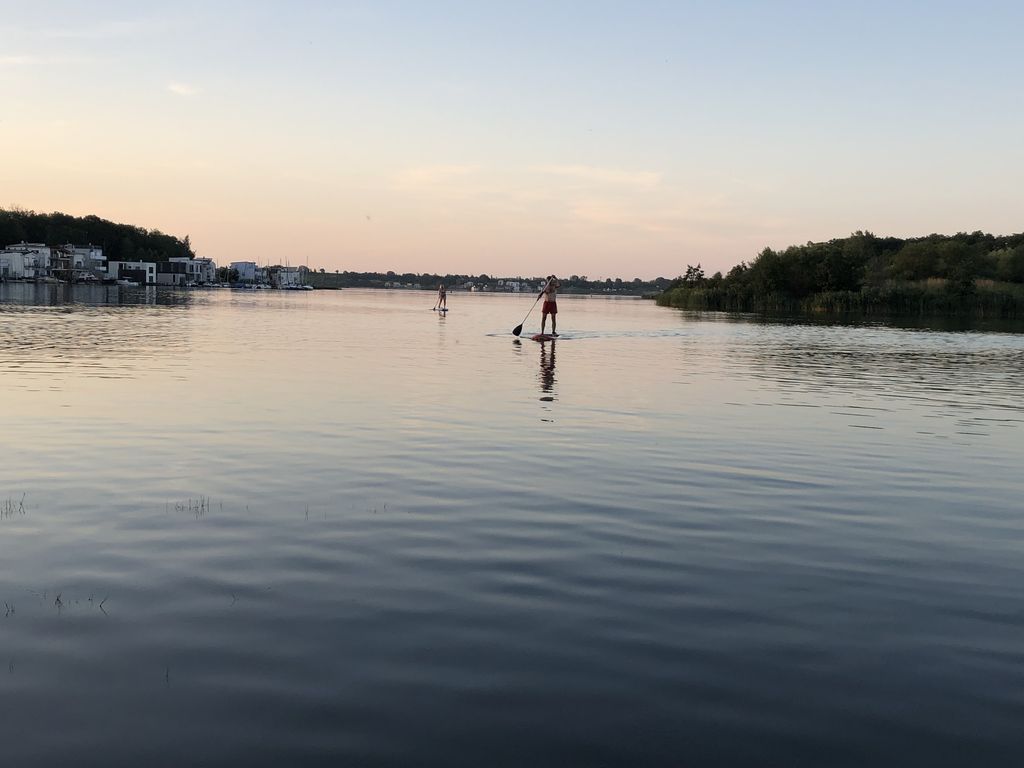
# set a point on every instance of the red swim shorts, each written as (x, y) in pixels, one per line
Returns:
(549, 308)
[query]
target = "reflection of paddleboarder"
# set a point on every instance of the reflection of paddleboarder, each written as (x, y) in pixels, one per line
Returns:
(550, 294)
(547, 368)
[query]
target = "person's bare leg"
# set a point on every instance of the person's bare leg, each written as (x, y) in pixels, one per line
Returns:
(554, 321)
(543, 321)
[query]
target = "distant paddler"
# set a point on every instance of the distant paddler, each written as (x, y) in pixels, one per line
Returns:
(550, 307)
(442, 297)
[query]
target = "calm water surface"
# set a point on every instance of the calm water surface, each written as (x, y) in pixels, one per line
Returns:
(276, 528)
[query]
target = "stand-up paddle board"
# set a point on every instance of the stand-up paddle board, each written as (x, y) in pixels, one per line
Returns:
(543, 337)
(442, 309)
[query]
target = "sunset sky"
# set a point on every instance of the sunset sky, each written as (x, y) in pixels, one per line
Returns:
(610, 139)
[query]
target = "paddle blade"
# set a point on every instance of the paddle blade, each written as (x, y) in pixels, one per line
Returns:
(517, 330)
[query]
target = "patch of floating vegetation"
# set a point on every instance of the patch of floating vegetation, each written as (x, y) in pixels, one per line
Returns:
(198, 507)
(58, 602)
(10, 507)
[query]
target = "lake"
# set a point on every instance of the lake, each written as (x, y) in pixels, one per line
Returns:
(335, 528)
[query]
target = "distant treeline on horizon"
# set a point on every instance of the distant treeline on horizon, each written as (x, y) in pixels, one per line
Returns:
(125, 242)
(129, 243)
(427, 280)
(966, 273)
(120, 242)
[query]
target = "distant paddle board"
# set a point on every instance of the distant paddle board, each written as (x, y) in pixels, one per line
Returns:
(543, 337)
(442, 309)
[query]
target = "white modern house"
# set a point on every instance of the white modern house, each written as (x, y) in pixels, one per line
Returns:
(197, 271)
(15, 265)
(246, 271)
(207, 271)
(26, 261)
(77, 262)
(174, 271)
(285, 277)
(142, 272)
(86, 257)
(192, 269)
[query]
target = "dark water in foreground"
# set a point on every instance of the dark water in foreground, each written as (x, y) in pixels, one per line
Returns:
(336, 529)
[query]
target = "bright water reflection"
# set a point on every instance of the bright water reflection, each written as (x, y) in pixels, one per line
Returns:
(335, 528)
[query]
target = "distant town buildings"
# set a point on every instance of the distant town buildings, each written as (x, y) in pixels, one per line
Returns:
(499, 286)
(285, 277)
(69, 263)
(38, 261)
(88, 264)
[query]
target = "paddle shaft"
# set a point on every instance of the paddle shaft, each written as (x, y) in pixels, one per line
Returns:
(519, 328)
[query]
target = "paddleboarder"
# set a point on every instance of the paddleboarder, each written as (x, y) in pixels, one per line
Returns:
(442, 297)
(550, 307)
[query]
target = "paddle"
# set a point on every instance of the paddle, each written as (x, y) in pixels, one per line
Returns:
(519, 328)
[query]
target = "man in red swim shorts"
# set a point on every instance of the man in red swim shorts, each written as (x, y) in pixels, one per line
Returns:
(550, 294)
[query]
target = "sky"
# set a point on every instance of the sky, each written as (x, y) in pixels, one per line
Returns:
(607, 139)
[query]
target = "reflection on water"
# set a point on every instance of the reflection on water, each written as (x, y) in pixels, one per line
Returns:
(52, 332)
(56, 294)
(964, 381)
(282, 528)
(547, 369)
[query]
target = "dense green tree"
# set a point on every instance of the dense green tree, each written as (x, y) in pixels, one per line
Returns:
(694, 275)
(1009, 264)
(916, 261)
(958, 264)
(932, 274)
(768, 272)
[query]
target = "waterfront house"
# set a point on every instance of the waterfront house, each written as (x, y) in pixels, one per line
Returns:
(198, 271)
(16, 265)
(173, 272)
(246, 271)
(86, 258)
(285, 277)
(192, 270)
(27, 261)
(141, 272)
(77, 263)
(206, 271)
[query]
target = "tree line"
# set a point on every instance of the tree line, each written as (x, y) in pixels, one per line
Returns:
(965, 273)
(429, 280)
(125, 242)
(120, 242)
